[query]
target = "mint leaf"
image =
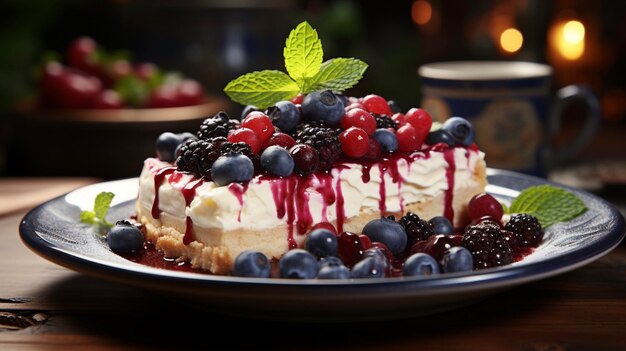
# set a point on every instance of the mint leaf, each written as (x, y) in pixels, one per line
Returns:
(133, 90)
(262, 88)
(102, 203)
(336, 74)
(549, 204)
(88, 217)
(303, 53)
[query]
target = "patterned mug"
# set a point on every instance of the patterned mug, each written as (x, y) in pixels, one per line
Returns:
(510, 105)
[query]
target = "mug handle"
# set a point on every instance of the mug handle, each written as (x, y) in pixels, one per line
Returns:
(564, 97)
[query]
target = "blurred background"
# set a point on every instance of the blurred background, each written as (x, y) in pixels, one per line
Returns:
(213, 41)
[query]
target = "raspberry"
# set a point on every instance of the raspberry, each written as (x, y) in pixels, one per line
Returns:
(354, 142)
(487, 245)
(416, 228)
(526, 229)
(376, 104)
(323, 139)
(408, 138)
(384, 121)
(260, 123)
(197, 156)
(247, 136)
(361, 119)
(217, 126)
(420, 119)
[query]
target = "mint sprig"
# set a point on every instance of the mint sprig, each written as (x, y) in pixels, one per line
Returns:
(101, 206)
(548, 203)
(306, 70)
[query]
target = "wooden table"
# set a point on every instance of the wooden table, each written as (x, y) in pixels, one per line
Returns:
(46, 307)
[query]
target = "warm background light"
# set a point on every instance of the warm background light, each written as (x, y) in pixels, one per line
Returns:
(421, 12)
(574, 32)
(511, 40)
(568, 38)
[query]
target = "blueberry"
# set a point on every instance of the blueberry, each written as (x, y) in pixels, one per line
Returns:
(321, 242)
(461, 129)
(420, 264)
(323, 106)
(387, 139)
(440, 136)
(342, 98)
(333, 272)
(298, 264)
(166, 145)
(276, 160)
(368, 267)
(185, 136)
(378, 255)
(285, 115)
(441, 225)
(232, 168)
(330, 261)
(246, 111)
(251, 263)
(457, 259)
(388, 232)
(394, 106)
(125, 238)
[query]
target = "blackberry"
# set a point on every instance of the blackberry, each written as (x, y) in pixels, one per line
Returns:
(526, 228)
(324, 139)
(217, 126)
(384, 121)
(197, 156)
(487, 245)
(416, 228)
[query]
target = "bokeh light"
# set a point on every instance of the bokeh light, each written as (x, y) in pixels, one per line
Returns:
(568, 38)
(421, 12)
(511, 40)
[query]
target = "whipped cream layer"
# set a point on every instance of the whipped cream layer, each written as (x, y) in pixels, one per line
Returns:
(348, 190)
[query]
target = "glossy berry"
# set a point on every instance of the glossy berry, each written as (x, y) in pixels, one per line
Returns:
(305, 158)
(298, 264)
(461, 129)
(387, 140)
(488, 246)
(350, 248)
(354, 142)
(260, 124)
(108, 100)
(399, 118)
(276, 160)
(382, 255)
(457, 259)
(376, 104)
(384, 121)
(359, 118)
(526, 229)
(441, 225)
(246, 135)
(246, 111)
(485, 205)
(440, 136)
(388, 232)
(333, 272)
(124, 238)
(186, 136)
(323, 106)
(251, 263)
(232, 168)
(354, 105)
(166, 145)
(420, 264)
(325, 225)
(420, 119)
(285, 115)
(373, 151)
(342, 98)
(297, 99)
(408, 138)
(321, 243)
(436, 245)
(416, 228)
(393, 106)
(280, 139)
(368, 267)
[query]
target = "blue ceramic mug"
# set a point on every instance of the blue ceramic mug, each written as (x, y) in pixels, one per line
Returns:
(510, 105)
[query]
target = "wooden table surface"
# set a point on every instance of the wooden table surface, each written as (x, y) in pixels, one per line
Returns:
(47, 307)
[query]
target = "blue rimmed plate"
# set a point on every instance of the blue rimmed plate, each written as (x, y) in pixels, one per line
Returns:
(53, 231)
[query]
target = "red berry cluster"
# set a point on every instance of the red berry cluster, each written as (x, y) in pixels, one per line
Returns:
(95, 78)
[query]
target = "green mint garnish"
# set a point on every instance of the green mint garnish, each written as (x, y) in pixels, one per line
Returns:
(548, 203)
(307, 72)
(100, 208)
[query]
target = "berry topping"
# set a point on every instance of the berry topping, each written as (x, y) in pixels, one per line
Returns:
(108, 99)
(440, 136)
(124, 238)
(248, 136)
(441, 225)
(323, 106)
(232, 168)
(384, 121)
(457, 259)
(305, 157)
(328, 271)
(354, 142)
(388, 232)
(408, 138)
(196, 157)
(526, 228)
(321, 243)
(350, 248)
(436, 245)
(323, 139)
(325, 225)
(217, 126)
(260, 124)
(487, 245)
(297, 99)
(484, 205)
(376, 104)
(280, 139)
(420, 119)
(393, 106)
(460, 129)
(416, 228)
(285, 115)
(246, 110)
(251, 263)
(276, 160)
(368, 267)
(359, 118)
(387, 140)
(399, 119)
(298, 264)
(373, 151)
(420, 264)
(166, 145)
(354, 105)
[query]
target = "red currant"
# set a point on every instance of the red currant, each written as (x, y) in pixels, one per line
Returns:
(485, 205)
(409, 139)
(355, 105)
(420, 119)
(399, 118)
(247, 136)
(190, 92)
(297, 99)
(359, 118)
(108, 99)
(280, 139)
(377, 104)
(374, 151)
(260, 123)
(354, 142)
